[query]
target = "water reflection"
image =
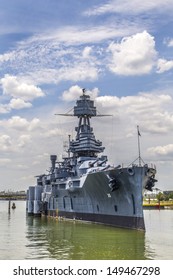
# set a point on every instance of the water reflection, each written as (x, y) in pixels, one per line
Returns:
(54, 239)
(159, 233)
(23, 237)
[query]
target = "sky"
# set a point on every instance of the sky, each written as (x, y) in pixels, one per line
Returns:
(121, 51)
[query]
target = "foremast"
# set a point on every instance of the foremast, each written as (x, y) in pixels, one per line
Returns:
(85, 143)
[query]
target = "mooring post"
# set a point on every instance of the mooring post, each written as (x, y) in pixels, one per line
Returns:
(9, 206)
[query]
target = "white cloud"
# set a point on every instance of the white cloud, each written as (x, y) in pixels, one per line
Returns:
(12, 86)
(134, 55)
(19, 93)
(87, 52)
(7, 56)
(133, 7)
(164, 65)
(81, 72)
(74, 70)
(53, 133)
(5, 143)
(58, 55)
(18, 123)
(17, 103)
(34, 124)
(72, 94)
(4, 108)
(4, 161)
(170, 43)
(162, 150)
(83, 35)
(24, 140)
(135, 103)
(75, 91)
(148, 109)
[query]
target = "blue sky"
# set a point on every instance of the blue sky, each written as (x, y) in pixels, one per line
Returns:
(120, 51)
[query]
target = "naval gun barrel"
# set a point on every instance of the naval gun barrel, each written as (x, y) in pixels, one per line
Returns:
(102, 162)
(92, 163)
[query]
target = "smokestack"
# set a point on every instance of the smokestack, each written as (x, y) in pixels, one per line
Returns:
(53, 161)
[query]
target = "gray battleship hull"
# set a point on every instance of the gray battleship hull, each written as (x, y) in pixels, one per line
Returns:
(93, 200)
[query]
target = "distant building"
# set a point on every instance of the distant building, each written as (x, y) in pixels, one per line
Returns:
(2, 192)
(21, 192)
(153, 194)
(167, 192)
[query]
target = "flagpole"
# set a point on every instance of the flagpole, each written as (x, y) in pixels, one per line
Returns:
(139, 148)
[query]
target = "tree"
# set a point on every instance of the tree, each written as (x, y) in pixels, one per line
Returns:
(160, 196)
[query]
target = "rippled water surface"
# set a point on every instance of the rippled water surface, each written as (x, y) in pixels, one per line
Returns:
(23, 237)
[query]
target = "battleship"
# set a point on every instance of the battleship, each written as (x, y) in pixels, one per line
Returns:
(84, 186)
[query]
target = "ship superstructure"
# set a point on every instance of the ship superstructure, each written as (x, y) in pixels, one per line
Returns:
(84, 186)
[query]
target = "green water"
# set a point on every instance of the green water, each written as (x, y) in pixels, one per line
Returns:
(23, 237)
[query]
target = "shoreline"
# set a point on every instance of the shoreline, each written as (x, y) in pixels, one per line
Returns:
(158, 205)
(12, 198)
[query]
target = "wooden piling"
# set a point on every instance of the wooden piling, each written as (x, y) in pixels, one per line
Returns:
(9, 206)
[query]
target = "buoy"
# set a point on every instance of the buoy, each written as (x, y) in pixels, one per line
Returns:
(13, 206)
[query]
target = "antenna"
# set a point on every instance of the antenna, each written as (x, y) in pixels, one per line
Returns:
(139, 148)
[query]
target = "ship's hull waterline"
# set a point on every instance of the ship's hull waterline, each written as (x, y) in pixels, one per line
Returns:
(110, 220)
